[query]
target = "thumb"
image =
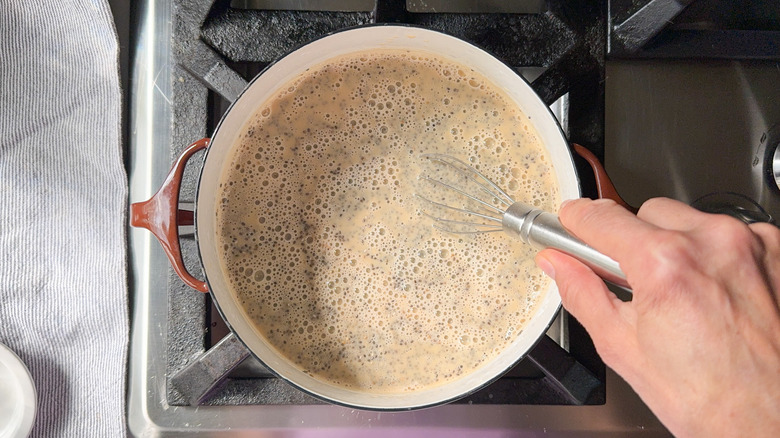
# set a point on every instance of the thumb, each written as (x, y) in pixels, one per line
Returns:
(583, 294)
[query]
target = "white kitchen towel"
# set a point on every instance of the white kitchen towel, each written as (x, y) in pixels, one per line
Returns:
(63, 190)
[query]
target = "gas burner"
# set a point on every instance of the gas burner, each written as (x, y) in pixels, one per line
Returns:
(188, 373)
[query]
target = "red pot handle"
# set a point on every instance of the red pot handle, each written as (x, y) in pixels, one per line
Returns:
(604, 185)
(161, 215)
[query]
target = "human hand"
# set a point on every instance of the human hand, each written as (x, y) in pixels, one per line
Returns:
(700, 340)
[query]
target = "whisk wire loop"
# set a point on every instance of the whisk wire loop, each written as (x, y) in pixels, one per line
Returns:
(484, 202)
(475, 228)
(460, 210)
(487, 205)
(465, 169)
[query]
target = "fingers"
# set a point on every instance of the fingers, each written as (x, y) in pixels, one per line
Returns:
(670, 214)
(769, 236)
(605, 226)
(583, 293)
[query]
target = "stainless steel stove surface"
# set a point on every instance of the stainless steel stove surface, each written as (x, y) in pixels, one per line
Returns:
(194, 57)
(710, 127)
(694, 114)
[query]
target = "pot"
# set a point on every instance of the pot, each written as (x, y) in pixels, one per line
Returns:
(161, 216)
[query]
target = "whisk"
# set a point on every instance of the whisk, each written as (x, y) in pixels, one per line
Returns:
(488, 208)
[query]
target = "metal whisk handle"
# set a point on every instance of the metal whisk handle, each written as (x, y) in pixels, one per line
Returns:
(544, 230)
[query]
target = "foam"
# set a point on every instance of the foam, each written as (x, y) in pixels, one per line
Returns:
(326, 246)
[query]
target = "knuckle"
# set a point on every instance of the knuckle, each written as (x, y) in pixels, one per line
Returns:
(650, 204)
(733, 235)
(586, 211)
(767, 231)
(769, 237)
(653, 208)
(670, 247)
(670, 257)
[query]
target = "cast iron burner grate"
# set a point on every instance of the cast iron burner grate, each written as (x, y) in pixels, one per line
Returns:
(218, 49)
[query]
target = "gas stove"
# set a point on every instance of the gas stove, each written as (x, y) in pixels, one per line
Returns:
(188, 374)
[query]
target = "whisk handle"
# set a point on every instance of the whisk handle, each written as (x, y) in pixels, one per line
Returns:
(542, 229)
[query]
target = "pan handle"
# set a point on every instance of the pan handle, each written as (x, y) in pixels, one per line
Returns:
(161, 215)
(604, 186)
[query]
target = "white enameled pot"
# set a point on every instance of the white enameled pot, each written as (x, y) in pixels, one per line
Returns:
(160, 215)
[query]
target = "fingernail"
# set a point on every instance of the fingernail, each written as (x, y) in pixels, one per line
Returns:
(564, 203)
(546, 266)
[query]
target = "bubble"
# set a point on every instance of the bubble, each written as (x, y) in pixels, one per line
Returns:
(334, 262)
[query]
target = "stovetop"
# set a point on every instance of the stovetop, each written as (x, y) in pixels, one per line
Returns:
(194, 57)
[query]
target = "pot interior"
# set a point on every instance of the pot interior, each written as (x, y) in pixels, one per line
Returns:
(264, 87)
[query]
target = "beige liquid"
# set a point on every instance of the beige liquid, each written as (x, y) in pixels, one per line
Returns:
(324, 242)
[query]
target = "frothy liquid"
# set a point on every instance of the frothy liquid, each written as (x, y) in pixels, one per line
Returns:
(323, 240)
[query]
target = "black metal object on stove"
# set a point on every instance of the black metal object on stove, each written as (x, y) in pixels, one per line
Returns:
(694, 29)
(568, 40)
(217, 49)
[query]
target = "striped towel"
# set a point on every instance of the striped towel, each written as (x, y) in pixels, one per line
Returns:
(63, 190)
